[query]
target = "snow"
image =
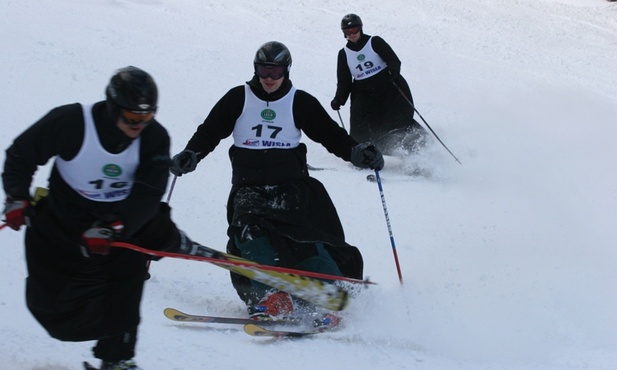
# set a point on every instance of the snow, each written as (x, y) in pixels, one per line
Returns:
(508, 260)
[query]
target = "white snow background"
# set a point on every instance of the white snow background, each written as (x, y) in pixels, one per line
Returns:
(509, 260)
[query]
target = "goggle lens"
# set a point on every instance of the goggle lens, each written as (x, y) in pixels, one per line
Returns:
(136, 118)
(351, 31)
(274, 72)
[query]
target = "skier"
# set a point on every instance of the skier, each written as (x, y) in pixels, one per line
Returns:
(369, 70)
(277, 213)
(110, 172)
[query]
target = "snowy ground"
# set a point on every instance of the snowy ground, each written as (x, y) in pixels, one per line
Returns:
(509, 259)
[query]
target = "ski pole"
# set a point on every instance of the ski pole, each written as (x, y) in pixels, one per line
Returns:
(423, 120)
(173, 184)
(223, 259)
(171, 188)
(385, 211)
(341, 119)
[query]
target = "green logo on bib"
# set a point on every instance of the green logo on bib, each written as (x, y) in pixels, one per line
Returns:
(268, 114)
(112, 170)
(361, 57)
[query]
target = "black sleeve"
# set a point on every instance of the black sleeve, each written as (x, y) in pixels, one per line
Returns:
(150, 180)
(311, 117)
(219, 124)
(58, 133)
(386, 53)
(343, 78)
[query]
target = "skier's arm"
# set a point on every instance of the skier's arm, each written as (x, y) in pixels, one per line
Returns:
(311, 117)
(343, 78)
(386, 53)
(219, 123)
(56, 133)
(150, 181)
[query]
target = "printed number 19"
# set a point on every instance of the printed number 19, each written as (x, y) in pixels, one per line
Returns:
(367, 65)
(98, 184)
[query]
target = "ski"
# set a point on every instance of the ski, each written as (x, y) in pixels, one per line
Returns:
(302, 284)
(415, 176)
(251, 327)
(175, 315)
(87, 366)
(259, 331)
(311, 168)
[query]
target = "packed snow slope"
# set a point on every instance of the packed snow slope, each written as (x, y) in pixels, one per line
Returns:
(508, 260)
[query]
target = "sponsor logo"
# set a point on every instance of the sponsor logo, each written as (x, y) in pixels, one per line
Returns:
(89, 195)
(373, 70)
(117, 193)
(112, 170)
(276, 144)
(361, 57)
(249, 142)
(268, 114)
(122, 193)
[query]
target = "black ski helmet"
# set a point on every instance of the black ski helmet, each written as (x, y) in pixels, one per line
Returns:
(273, 53)
(131, 89)
(351, 21)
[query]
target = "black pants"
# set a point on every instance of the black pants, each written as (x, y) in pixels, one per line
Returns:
(76, 298)
(297, 223)
(384, 117)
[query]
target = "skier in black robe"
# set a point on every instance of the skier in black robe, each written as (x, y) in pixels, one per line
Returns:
(110, 171)
(381, 107)
(277, 213)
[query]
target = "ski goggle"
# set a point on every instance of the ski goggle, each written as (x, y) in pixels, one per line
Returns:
(351, 31)
(274, 72)
(134, 119)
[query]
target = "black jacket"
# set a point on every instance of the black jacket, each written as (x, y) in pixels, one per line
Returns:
(270, 166)
(60, 133)
(376, 84)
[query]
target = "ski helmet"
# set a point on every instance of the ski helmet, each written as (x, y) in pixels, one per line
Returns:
(273, 53)
(350, 21)
(131, 89)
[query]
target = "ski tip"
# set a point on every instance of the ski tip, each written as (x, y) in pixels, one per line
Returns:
(172, 313)
(87, 366)
(258, 331)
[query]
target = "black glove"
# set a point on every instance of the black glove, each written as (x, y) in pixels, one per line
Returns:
(335, 104)
(183, 162)
(15, 212)
(97, 239)
(366, 155)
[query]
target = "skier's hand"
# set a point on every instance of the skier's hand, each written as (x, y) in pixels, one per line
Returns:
(15, 212)
(97, 239)
(183, 162)
(366, 155)
(335, 104)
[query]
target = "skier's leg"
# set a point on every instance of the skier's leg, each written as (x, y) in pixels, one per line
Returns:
(254, 244)
(116, 348)
(321, 262)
